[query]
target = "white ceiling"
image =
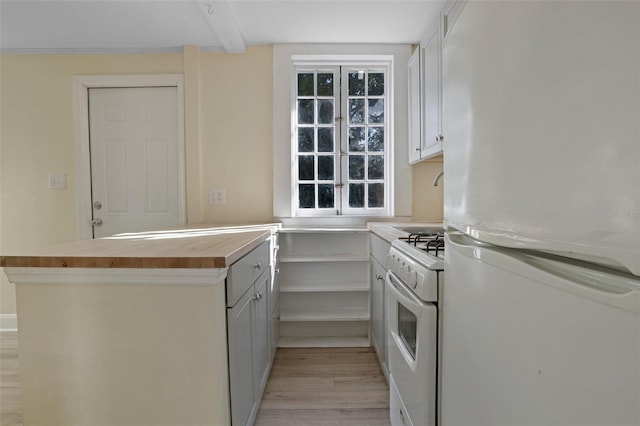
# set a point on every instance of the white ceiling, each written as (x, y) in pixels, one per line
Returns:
(157, 25)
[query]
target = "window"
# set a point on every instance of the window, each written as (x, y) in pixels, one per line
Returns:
(341, 139)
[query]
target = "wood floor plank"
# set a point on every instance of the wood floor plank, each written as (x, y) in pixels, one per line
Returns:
(285, 352)
(340, 359)
(300, 384)
(10, 392)
(340, 417)
(328, 370)
(324, 400)
(360, 384)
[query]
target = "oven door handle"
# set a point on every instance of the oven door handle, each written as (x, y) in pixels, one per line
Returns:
(403, 296)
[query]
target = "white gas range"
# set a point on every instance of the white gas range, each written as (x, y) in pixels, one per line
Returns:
(414, 287)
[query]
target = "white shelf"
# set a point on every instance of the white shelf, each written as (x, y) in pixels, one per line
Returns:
(324, 258)
(324, 342)
(323, 286)
(333, 316)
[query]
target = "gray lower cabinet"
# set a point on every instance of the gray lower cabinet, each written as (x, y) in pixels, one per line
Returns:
(239, 326)
(379, 250)
(248, 330)
(261, 327)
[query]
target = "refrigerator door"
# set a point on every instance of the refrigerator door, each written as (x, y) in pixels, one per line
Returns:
(541, 124)
(531, 341)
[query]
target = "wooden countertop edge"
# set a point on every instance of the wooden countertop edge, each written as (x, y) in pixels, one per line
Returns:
(186, 262)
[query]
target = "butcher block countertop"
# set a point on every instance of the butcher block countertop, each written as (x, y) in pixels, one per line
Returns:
(187, 246)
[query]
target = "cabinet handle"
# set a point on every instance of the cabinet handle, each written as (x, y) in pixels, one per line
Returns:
(379, 277)
(258, 297)
(257, 265)
(439, 138)
(418, 149)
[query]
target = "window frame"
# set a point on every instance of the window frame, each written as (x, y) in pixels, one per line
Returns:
(344, 64)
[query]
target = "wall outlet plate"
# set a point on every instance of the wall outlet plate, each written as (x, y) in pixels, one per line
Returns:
(216, 196)
(57, 181)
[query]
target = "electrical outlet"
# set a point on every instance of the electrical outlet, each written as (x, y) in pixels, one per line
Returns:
(57, 181)
(216, 196)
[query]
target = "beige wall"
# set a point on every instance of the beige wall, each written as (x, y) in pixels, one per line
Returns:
(36, 138)
(427, 199)
(236, 121)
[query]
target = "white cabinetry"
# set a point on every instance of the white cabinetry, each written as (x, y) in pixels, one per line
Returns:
(425, 98)
(415, 106)
(379, 251)
(324, 288)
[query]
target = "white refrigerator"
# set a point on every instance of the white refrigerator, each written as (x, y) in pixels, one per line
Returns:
(541, 304)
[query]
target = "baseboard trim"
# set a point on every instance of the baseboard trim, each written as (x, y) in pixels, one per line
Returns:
(8, 322)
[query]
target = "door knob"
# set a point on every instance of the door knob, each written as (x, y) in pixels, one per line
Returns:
(96, 222)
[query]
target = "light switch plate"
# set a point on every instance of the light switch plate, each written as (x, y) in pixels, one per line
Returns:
(216, 196)
(57, 181)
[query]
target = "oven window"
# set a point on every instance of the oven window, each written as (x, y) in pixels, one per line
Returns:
(408, 328)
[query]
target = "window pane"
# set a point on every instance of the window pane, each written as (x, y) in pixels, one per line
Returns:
(307, 196)
(325, 196)
(376, 110)
(356, 84)
(325, 167)
(356, 138)
(325, 139)
(376, 84)
(376, 138)
(376, 195)
(325, 111)
(356, 111)
(305, 84)
(376, 167)
(305, 139)
(305, 111)
(325, 84)
(305, 167)
(356, 195)
(356, 167)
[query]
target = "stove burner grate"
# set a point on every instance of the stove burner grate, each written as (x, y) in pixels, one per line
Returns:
(430, 242)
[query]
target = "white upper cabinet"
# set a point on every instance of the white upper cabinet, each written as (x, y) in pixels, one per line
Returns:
(415, 106)
(425, 98)
(431, 95)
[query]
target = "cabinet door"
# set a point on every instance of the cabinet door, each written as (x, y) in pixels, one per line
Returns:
(430, 55)
(239, 323)
(415, 106)
(261, 325)
(378, 323)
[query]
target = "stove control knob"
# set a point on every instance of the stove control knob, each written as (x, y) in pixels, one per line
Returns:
(412, 279)
(391, 259)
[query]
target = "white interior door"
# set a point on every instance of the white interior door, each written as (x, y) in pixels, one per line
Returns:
(135, 158)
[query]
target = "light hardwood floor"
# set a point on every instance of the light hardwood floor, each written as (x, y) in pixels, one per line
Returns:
(10, 399)
(307, 387)
(325, 386)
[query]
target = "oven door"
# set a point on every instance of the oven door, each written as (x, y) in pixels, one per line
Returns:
(412, 348)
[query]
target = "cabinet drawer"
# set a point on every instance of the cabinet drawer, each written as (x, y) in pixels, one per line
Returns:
(379, 249)
(245, 271)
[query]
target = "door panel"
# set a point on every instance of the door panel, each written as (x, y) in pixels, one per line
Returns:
(134, 158)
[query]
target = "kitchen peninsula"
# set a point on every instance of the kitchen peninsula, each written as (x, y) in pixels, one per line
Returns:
(132, 329)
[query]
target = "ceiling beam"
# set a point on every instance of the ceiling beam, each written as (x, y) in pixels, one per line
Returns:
(222, 21)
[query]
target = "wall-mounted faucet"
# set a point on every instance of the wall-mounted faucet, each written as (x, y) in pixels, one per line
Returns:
(435, 181)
